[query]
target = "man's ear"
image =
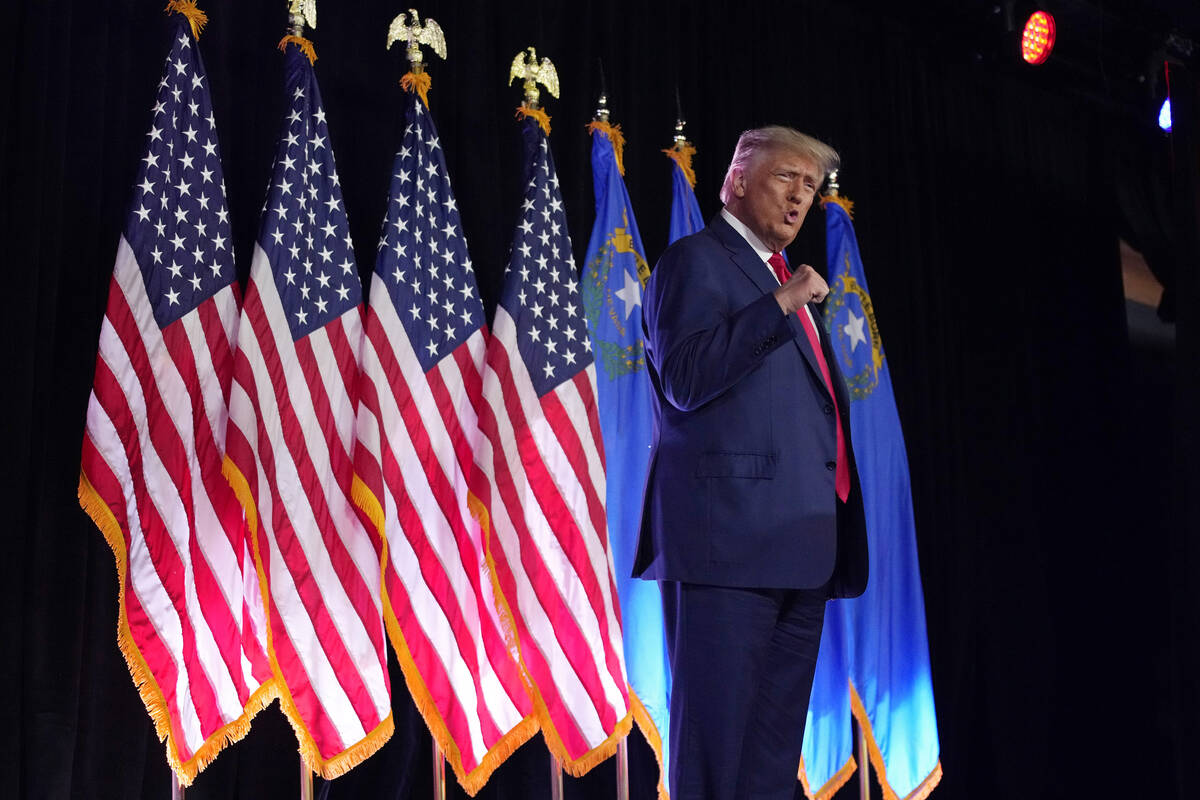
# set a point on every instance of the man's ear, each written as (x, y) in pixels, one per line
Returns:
(739, 183)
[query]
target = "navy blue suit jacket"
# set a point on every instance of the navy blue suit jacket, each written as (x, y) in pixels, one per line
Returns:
(740, 488)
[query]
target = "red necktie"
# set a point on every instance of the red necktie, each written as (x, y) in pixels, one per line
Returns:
(842, 479)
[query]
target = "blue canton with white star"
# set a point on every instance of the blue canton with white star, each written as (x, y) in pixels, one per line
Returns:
(422, 256)
(178, 224)
(541, 290)
(305, 233)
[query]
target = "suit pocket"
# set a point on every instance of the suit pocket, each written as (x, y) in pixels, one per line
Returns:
(732, 464)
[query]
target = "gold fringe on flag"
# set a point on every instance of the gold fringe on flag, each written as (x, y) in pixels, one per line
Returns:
(197, 18)
(650, 732)
(864, 722)
(831, 786)
(143, 678)
(845, 202)
(418, 82)
(682, 155)
(305, 46)
(474, 780)
(613, 132)
(543, 119)
(348, 759)
(579, 767)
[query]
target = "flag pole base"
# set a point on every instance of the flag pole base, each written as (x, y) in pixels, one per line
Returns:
(623, 769)
(556, 779)
(864, 763)
(439, 773)
(306, 781)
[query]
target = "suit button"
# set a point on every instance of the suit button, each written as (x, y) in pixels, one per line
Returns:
(831, 465)
(828, 409)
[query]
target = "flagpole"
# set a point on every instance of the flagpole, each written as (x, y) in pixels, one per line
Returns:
(306, 781)
(623, 769)
(176, 787)
(864, 764)
(860, 740)
(556, 780)
(439, 773)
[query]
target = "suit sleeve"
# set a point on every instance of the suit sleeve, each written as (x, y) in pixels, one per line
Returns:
(697, 343)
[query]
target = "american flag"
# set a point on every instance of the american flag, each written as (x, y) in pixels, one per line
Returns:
(191, 624)
(418, 432)
(291, 439)
(543, 462)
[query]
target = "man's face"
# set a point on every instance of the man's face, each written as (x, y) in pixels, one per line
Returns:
(774, 194)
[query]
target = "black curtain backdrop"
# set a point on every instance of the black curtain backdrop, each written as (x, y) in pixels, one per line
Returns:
(1053, 469)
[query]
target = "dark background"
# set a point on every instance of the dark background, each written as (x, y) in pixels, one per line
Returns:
(1056, 492)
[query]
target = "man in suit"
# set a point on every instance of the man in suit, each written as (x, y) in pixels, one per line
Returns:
(752, 516)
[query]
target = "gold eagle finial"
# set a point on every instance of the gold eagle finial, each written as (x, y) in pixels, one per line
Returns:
(302, 12)
(526, 67)
(416, 34)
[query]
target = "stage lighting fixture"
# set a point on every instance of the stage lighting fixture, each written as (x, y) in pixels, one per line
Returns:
(1164, 115)
(1037, 40)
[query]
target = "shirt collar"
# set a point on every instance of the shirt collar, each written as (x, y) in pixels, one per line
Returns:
(751, 239)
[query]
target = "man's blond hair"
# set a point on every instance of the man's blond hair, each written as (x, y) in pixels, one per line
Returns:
(773, 138)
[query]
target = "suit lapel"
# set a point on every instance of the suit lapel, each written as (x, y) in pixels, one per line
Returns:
(802, 341)
(835, 372)
(756, 271)
(742, 254)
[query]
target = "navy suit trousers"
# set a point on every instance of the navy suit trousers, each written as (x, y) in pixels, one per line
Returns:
(742, 662)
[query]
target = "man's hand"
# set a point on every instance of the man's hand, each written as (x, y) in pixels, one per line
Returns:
(805, 286)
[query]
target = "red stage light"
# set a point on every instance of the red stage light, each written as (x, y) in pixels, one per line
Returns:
(1038, 38)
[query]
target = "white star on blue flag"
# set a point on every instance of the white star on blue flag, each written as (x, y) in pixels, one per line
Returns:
(541, 292)
(305, 233)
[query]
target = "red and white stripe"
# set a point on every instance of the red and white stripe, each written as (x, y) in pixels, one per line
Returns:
(544, 471)
(152, 454)
(417, 434)
(291, 436)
